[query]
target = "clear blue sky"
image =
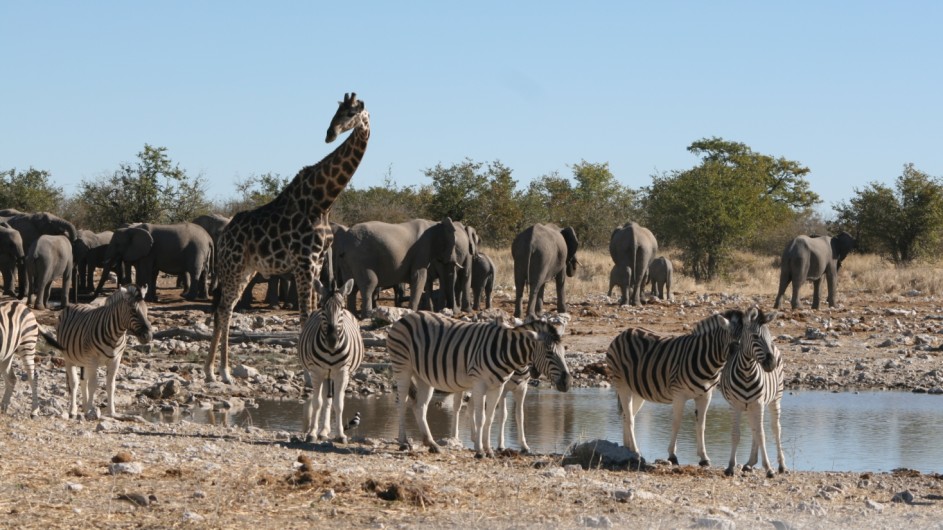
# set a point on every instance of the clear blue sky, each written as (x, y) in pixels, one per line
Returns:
(850, 89)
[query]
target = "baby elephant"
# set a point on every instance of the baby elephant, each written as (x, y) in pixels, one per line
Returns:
(659, 273)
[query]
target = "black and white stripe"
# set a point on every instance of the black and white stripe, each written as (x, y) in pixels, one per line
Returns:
(330, 348)
(18, 335)
(752, 380)
(648, 366)
(516, 386)
(91, 335)
(440, 353)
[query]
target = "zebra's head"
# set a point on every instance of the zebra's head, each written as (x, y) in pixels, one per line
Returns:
(333, 303)
(756, 340)
(133, 298)
(548, 357)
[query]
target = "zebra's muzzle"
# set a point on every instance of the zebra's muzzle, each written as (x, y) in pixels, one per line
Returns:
(563, 382)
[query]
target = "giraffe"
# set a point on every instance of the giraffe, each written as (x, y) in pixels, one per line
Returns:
(289, 234)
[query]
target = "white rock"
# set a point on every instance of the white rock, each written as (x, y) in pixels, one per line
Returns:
(72, 486)
(129, 468)
(192, 517)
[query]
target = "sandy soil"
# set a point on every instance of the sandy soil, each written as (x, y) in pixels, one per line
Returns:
(56, 472)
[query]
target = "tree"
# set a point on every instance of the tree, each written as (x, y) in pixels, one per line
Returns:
(255, 191)
(903, 223)
(154, 190)
(388, 203)
(29, 191)
(722, 203)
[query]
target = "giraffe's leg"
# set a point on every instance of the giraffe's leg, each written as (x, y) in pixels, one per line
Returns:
(304, 279)
(232, 288)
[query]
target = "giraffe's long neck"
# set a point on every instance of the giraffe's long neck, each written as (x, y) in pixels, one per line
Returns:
(316, 187)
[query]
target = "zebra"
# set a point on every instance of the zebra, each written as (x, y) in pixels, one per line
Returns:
(438, 352)
(330, 346)
(90, 335)
(648, 366)
(753, 379)
(19, 332)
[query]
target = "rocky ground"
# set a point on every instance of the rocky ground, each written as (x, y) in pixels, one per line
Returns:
(60, 473)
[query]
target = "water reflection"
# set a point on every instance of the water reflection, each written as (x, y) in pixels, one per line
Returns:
(871, 431)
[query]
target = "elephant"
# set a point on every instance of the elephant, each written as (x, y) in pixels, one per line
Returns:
(541, 253)
(455, 276)
(49, 258)
(483, 273)
(213, 223)
(632, 248)
(809, 258)
(31, 226)
(380, 255)
(88, 254)
(181, 248)
(11, 255)
(660, 272)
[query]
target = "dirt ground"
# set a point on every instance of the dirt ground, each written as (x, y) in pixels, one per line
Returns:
(62, 473)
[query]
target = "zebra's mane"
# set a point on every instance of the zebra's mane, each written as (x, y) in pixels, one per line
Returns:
(542, 326)
(711, 323)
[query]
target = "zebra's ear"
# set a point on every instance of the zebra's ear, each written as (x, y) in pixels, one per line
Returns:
(347, 288)
(766, 318)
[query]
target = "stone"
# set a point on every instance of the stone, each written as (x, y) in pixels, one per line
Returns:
(904, 496)
(602, 521)
(192, 517)
(244, 372)
(127, 468)
(602, 453)
(328, 495)
(714, 522)
(876, 506)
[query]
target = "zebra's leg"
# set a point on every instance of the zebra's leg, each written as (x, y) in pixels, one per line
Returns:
(734, 440)
(774, 413)
(312, 411)
(343, 379)
(677, 410)
(402, 394)
(755, 410)
(9, 378)
(502, 412)
(492, 395)
(90, 383)
(72, 382)
(31, 374)
(700, 407)
(519, 394)
(457, 402)
(420, 408)
(111, 374)
(478, 400)
(630, 407)
(325, 402)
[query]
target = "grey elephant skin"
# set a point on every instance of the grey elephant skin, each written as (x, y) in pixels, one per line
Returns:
(11, 255)
(483, 273)
(182, 248)
(813, 258)
(454, 275)
(660, 272)
(541, 253)
(378, 255)
(50, 258)
(88, 254)
(632, 248)
(31, 226)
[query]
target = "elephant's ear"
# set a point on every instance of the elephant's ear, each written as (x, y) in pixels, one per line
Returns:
(841, 245)
(473, 240)
(572, 244)
(140, 245)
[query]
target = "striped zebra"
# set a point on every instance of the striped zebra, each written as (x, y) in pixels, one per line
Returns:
(648, 366)
(18, 335)
(437, 352)
(753, 379)
(330, 348)
(90, 335)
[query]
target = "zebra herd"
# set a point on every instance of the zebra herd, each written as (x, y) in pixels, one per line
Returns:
(429, 351)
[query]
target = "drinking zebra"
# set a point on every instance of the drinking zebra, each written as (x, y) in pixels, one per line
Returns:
(648, 366)
(437, 352)
(330, 348)
(18, 335)
(92, 335)
(753, 379)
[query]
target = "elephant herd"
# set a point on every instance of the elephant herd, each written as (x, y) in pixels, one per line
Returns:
(41, 248)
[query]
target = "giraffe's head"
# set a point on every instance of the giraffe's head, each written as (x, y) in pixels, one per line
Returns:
(350, 113)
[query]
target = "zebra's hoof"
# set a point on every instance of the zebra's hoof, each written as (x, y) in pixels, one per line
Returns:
(308, 438)
(673, 459)
(728, 472)
(747, 468)
(434, 448)
(704, 463)
(783, 469)
(404, 447)
(479, 455)
(770, 474)
(341, 439)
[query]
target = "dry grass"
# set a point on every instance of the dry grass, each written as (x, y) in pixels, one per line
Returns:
(751, 275)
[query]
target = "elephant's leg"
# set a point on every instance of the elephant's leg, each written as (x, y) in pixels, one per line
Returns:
(830, 281)
(519, 282)
(368, 285)
(784, 278)
(816, 292)
(66, 285)
(416, 287)
(535, 299)
(561, 296)
(796, 284)
(488, 286)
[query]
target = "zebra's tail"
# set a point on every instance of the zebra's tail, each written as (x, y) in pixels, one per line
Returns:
(50, 339)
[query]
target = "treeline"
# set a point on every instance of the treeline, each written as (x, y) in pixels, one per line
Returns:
(733, 198)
